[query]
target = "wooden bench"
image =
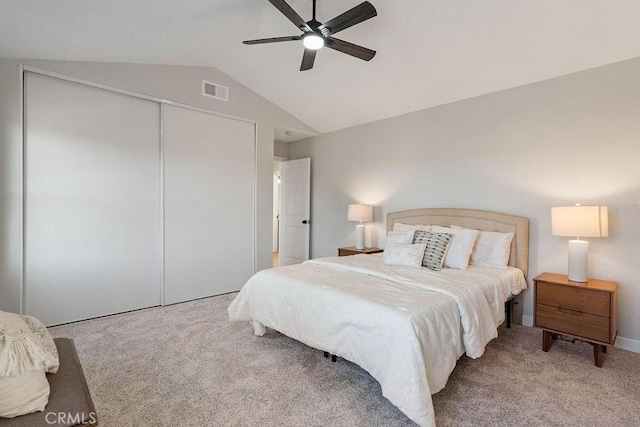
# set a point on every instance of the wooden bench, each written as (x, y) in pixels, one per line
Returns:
(70, 402)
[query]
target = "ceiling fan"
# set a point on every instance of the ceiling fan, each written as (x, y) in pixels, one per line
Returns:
(316, 34)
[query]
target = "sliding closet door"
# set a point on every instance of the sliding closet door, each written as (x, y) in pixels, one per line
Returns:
(209, 204)
(92, 201)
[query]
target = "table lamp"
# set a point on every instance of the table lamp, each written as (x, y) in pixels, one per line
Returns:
(360, 213)
(579, 221)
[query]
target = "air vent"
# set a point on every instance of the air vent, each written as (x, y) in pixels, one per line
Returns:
(215, 90)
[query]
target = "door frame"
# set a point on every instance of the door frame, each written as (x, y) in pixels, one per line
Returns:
(276, 159)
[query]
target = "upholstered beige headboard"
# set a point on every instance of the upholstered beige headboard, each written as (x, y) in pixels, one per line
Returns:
(479, 220)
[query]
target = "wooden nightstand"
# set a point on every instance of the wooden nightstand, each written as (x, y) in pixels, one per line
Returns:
(587, 311)
(351, 250)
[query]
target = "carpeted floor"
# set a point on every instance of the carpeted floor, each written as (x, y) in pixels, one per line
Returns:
(186, 365)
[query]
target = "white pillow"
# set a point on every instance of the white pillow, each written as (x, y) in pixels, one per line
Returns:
(460, 248)
(398, 226)
(406, 255)
(23, 394)
(27, 351)
(405, 237)
(492, 249)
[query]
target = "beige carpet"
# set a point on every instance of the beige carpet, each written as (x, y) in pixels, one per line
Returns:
(186, 365)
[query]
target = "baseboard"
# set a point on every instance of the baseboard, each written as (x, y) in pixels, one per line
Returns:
(621, 342)
(628, 344)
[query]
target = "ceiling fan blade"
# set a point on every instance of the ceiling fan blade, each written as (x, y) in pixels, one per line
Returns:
(293, 16)
(351, 17)
(308, 59)
(350, 48)
(273, 40)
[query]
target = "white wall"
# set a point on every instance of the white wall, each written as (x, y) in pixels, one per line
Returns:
(521, 151)
(281, 149)
(175, 83)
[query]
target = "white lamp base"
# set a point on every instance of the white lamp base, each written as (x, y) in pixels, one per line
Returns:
(360, 236)
(578, 260)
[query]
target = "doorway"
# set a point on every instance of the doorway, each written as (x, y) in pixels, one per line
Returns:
(294, 215)
(290, 245)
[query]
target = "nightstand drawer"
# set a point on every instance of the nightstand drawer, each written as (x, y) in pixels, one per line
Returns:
(574, 298)
(572, 322)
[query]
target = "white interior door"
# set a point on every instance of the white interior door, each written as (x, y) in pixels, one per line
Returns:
(295, 210)
(92, 201)
(209, 179)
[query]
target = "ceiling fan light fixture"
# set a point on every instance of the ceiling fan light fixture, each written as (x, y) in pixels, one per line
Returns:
(313, 41)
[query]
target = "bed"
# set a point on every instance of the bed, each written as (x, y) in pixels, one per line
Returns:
(407, 327)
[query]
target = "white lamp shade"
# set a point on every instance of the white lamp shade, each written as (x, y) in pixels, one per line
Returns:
(580, 221)
(360, 213)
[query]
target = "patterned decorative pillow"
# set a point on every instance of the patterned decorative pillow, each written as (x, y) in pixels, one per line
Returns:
(406, 255)
(437, 245)
(399, 237)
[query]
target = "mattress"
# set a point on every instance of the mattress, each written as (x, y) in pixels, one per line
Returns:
(406, 326)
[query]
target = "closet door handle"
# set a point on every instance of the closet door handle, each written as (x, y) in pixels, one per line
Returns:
(306, 221)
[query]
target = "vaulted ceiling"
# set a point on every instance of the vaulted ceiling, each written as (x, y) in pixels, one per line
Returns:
(429, 52)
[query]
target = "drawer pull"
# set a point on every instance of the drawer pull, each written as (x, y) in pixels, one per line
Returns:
(569, 310)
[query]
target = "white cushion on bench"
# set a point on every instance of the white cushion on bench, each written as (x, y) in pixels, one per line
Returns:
(23, 394)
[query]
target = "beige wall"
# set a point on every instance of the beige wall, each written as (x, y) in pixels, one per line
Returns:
(558, 142)
(281, 149)
(174, 83)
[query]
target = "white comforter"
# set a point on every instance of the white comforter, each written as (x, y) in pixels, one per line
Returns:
(406, 326)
